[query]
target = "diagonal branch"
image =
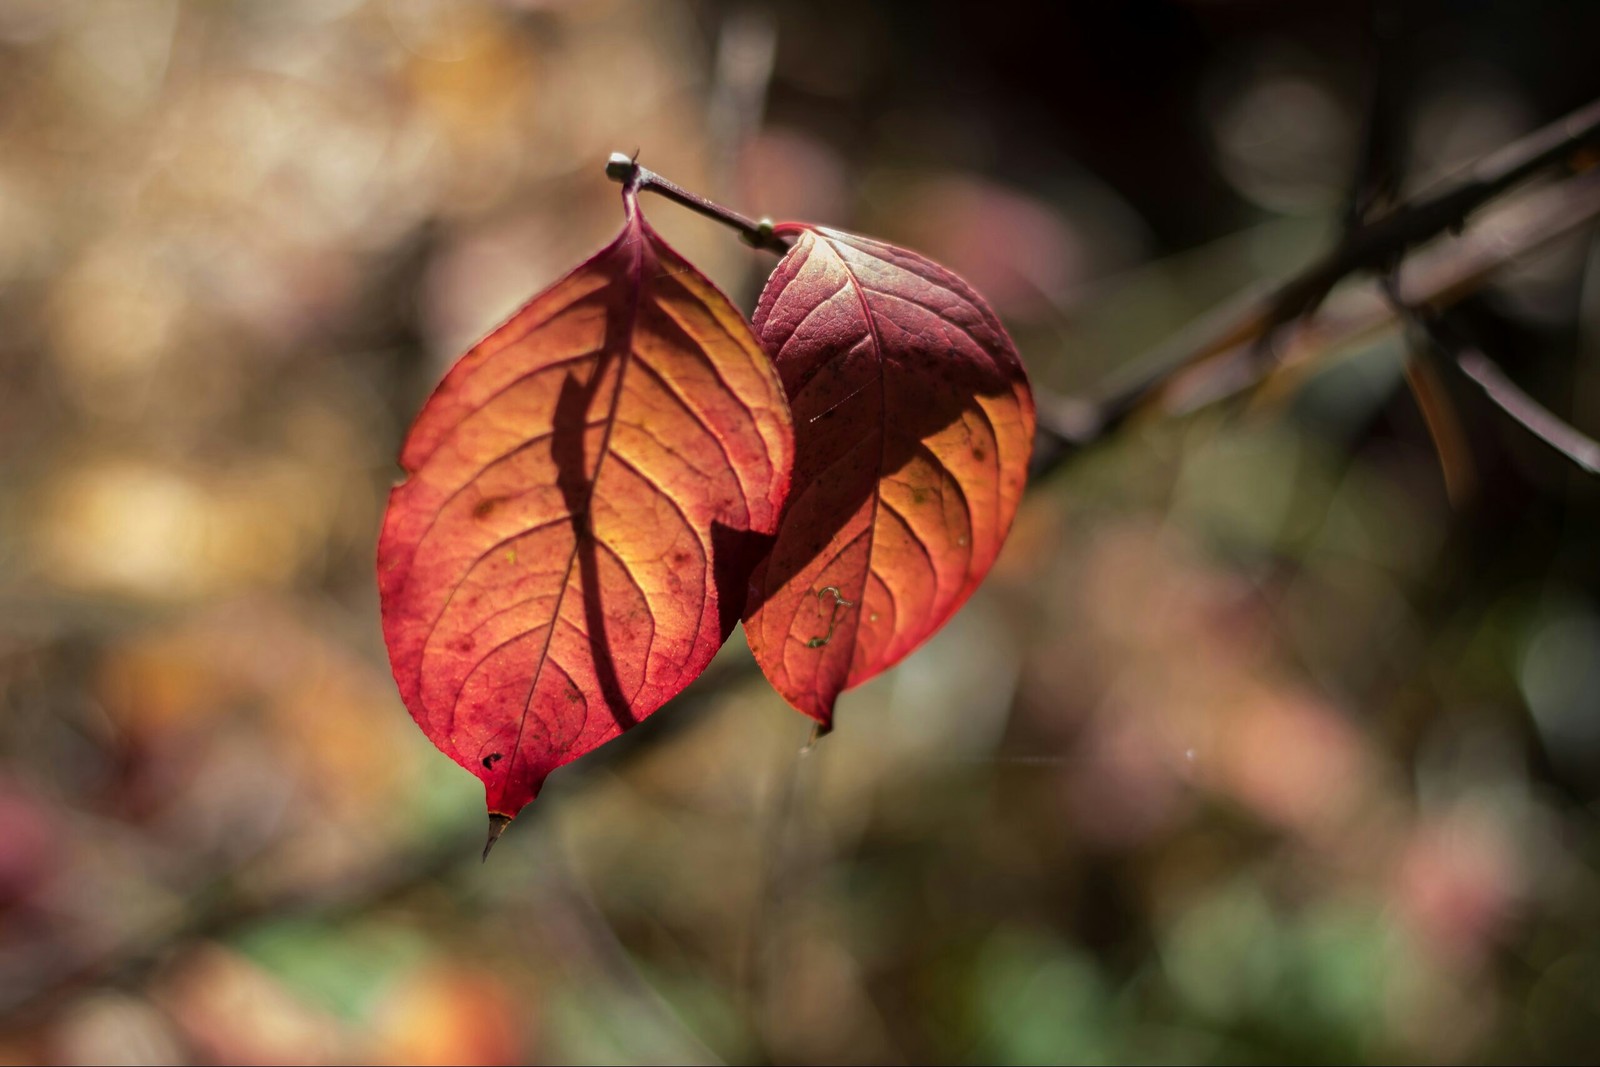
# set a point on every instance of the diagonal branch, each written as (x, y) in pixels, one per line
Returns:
(1537, 419)
(1228, 354)
(1501, 390)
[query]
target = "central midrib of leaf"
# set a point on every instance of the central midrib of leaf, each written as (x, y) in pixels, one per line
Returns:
(883, 434)
(581, 525)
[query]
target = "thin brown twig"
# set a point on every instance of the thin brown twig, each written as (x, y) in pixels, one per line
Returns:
(623, 168)
(1444, 427)
(1422, 371)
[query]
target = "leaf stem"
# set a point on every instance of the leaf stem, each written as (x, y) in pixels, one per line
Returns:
(625, 169)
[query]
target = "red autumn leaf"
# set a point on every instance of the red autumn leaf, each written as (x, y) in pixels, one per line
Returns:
(586, 492)
(913, 428)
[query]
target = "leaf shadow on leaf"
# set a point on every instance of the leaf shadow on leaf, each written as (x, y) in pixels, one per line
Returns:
(734, 552)
(734, 555)
(572, 417)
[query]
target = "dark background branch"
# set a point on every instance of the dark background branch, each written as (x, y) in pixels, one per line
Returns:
(1070, 426)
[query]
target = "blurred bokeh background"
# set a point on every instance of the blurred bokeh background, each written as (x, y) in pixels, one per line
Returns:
(1255, 747)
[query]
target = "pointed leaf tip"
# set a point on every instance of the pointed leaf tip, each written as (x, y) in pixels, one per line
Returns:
(819, 730)
(497, 826)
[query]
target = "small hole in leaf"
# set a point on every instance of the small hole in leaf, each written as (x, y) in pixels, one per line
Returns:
(491, 758)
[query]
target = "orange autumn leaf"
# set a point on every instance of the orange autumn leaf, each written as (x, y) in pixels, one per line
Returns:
(585, 493)
(913, 428)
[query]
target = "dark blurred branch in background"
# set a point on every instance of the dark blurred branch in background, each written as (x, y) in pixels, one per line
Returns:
(226, 906)
(1435, 277)
(1226, 357)
(1520, 406)
(1379, 169)
(1443, 342)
